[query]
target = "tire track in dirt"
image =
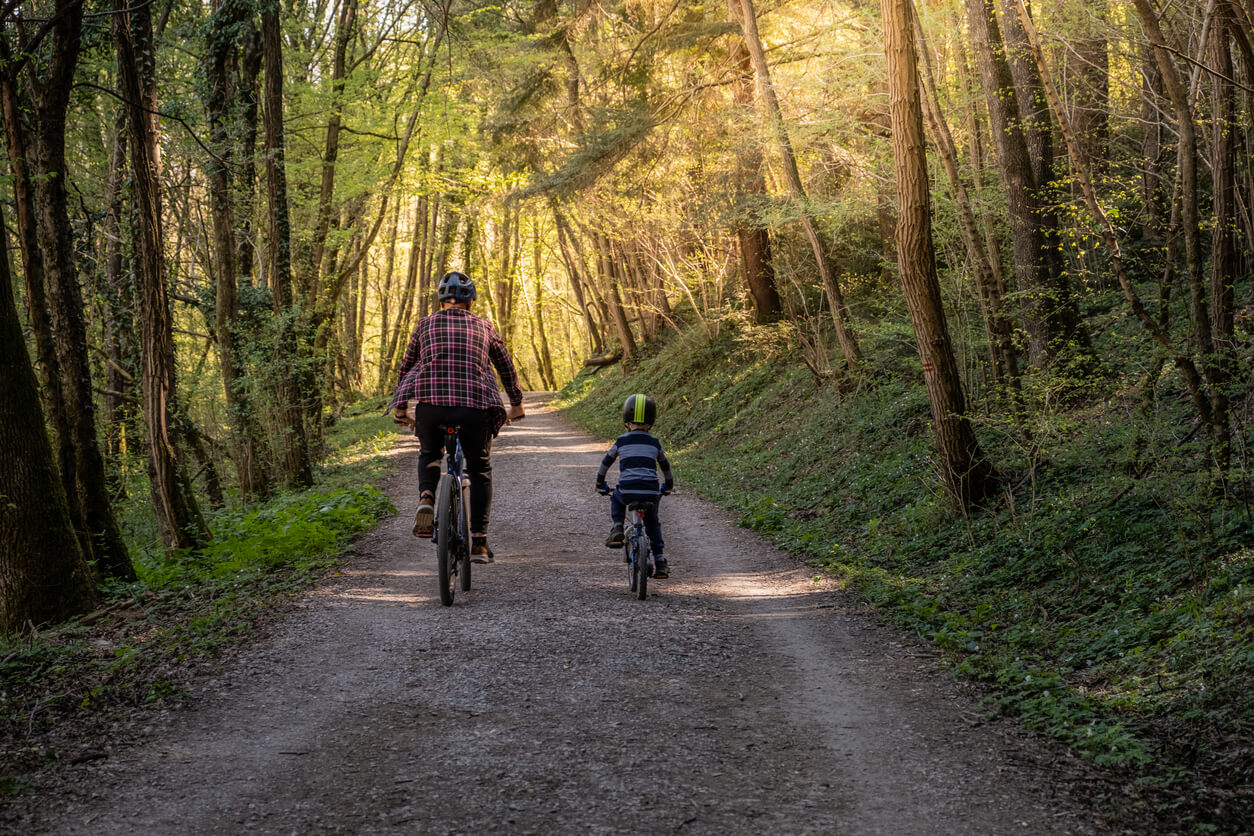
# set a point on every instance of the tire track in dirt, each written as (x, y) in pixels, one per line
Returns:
(743, 697)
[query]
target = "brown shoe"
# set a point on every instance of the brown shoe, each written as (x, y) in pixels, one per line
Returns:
(479, 551)
(424, 517)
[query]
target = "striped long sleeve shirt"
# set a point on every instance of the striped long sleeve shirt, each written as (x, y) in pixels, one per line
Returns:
(639, 457)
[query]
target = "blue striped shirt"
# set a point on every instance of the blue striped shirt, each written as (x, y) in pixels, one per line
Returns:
(639, 456)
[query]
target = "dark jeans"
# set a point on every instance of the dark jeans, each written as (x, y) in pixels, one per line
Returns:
(652, 525)
(476, 438)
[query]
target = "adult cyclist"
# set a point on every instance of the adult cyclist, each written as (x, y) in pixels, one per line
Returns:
(448, 372)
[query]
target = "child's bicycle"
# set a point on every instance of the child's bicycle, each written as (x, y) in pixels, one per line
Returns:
(636, 551)
(452, 519)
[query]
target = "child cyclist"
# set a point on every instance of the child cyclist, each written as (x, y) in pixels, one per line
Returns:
(639, 456)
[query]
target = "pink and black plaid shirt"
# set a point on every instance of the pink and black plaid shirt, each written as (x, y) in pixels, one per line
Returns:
(449, 362)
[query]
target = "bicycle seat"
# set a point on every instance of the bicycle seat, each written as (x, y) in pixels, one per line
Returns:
(641, 506)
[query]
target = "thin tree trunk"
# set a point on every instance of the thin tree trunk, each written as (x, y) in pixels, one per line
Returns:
(178, 516)
(792, 177)
(1049, 314)
(625, 338)
(966, 473)
(752, 236)
(119, 325)
(998, 327)
(578, 280)
(245, 434)
(1109, 236)
(1224, 237)
(546, 357)
(297, 468)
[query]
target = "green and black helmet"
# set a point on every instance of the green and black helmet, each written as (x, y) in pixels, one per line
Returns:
(639, 409)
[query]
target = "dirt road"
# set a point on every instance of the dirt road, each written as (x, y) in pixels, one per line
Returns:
(744, 696)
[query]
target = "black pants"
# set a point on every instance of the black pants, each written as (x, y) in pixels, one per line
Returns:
(476, 438)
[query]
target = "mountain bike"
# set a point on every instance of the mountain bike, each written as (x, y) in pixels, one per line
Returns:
(637, 553)
(452, 519)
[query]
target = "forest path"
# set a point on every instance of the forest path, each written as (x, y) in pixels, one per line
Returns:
(743, 696)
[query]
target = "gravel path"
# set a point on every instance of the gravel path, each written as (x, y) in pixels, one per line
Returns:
(744, 696)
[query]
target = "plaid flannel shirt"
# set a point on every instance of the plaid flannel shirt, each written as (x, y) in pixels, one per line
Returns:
(449, 362)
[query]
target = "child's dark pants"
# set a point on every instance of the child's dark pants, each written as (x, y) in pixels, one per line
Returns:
(652, 525)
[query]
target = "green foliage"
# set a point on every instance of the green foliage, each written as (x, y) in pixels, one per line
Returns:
(294, 530)
(1104, 597)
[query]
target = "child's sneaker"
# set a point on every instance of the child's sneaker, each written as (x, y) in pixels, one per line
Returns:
(615, 540)
(424, 517)
(660, 569)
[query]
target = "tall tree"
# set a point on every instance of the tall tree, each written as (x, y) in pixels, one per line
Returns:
(178, 515)
(43, 575)
(792, 178)
(228, 19)
(294, 444)
(966, 473)
(55, 282)
(1049, 310)
(752, 236)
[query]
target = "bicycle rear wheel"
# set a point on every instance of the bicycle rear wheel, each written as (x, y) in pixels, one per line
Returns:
(463, 529)
(446, 535)
(631, 566)
(640, 566)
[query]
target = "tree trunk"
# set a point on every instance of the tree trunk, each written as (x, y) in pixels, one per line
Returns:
(1224, 238)
(625, 338)
(792, 177)
(965, 472)
(119, 320)
(245, 433)
(297, 468)
(752, 237)
(104, 544)
(35, 281)
(1049, 314)
(1187, 157)
(578, 280)
(343, 33)
(546, 357)
(998, 327)
(178, 516)
(44, 577)
(1109, 235)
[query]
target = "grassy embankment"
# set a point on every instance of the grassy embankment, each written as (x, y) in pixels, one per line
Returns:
(186, 607)
(1104, 596)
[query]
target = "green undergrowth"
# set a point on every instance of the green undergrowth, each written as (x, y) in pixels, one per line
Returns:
(186, 607)
(1104, 595)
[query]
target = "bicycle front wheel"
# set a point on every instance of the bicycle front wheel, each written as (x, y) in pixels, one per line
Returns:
(446, 536)
(640, 566)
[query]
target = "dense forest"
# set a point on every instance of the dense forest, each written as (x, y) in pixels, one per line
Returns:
(221, 221)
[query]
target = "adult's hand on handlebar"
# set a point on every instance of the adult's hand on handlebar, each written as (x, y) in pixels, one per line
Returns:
(515, 413)
(402, 418)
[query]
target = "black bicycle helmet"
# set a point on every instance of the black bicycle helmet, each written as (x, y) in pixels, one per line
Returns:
(456, 286)
(639, 409)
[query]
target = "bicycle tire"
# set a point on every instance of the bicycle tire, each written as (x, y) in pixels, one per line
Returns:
(445, 508)
(640, 564)
(463, 549)
(631, 567)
